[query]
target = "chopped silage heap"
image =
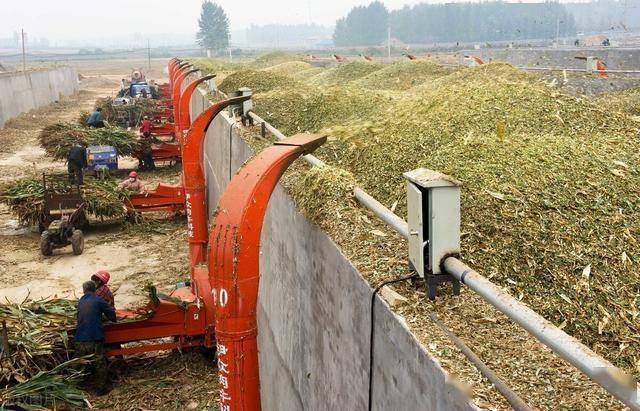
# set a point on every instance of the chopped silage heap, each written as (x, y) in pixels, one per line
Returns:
(344, 73)
(296, 110)
(550, 201)
(274, 58)
(625, 102)
(257, 81)
(403, 75)
(289, 68)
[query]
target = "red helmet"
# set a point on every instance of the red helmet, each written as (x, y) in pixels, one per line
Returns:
(133, 174)
(103, 275)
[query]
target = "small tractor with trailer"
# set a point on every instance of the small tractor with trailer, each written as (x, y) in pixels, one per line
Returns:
(139, 87)
(101, 159)
(62, 217)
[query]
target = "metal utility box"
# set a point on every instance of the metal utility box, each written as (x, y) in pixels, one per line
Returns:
(246, 105)
(102, 158)
(433, 205)
(592, 63)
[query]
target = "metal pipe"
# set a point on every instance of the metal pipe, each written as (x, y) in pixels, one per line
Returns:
(514, 399)
(311, 159)
(382, 212)
(614, 380)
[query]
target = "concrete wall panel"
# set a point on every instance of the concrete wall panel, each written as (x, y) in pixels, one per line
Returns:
(21, 92)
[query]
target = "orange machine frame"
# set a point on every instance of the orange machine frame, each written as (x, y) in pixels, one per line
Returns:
(220, 303)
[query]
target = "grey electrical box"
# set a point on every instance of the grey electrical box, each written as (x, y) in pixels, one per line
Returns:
(433, 205)
(247, 105)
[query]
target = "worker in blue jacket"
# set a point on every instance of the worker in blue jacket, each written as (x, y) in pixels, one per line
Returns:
(95, 119)
(89, 336)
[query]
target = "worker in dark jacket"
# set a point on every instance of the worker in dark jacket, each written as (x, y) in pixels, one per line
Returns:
(95, 119)
(146, 159)
(77, 162)
(89, 337)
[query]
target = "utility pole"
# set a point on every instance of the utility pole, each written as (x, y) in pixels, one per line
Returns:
(557, 32)
(149, 55)
(24, 60)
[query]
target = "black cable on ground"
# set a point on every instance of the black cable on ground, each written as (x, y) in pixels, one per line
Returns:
(372, 334)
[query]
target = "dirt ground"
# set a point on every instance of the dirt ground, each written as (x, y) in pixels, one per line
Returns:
(153, 251)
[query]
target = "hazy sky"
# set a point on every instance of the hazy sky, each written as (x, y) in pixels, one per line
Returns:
(77, 19)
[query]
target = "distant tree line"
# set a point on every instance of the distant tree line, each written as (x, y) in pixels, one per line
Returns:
(363, 26)
(606, 15)
(454, 22)
(282, 35)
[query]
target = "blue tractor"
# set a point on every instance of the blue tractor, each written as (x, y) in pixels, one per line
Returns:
(102, 158)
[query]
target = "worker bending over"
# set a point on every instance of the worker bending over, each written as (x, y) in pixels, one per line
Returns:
(89, 337)
(133, 184)
(95, 119)
(77, 162)
(146, 161)
(101, 278)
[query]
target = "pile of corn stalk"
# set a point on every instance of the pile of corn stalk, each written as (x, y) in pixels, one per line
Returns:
(25, 197)
(47, 389)
(57, 139)
(37, 337)
(133, 112)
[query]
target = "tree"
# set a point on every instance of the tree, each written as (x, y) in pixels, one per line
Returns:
(455, 21)
(214, 27)
(363, 26)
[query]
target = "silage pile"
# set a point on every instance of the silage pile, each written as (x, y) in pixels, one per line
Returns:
(274, 58)
(551, 195)
(344, 73)
(625, 102)
(295, 110)
(289, 68)
(403, 75)
(57, 139)
(25, 198)
(257, 81)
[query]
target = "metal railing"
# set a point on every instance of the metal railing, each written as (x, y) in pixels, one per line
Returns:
(618, 383)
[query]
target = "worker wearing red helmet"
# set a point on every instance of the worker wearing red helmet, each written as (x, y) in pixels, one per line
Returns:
(101, 278)
(133, 184)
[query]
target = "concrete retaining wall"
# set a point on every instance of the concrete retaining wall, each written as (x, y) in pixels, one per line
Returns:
(21, 92)
(314, 313)
(615, 58)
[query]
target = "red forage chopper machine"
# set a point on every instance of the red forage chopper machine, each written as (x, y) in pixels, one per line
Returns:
(218, 307)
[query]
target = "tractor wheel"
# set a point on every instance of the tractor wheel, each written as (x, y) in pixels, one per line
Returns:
(77, 242)
(46, 248)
